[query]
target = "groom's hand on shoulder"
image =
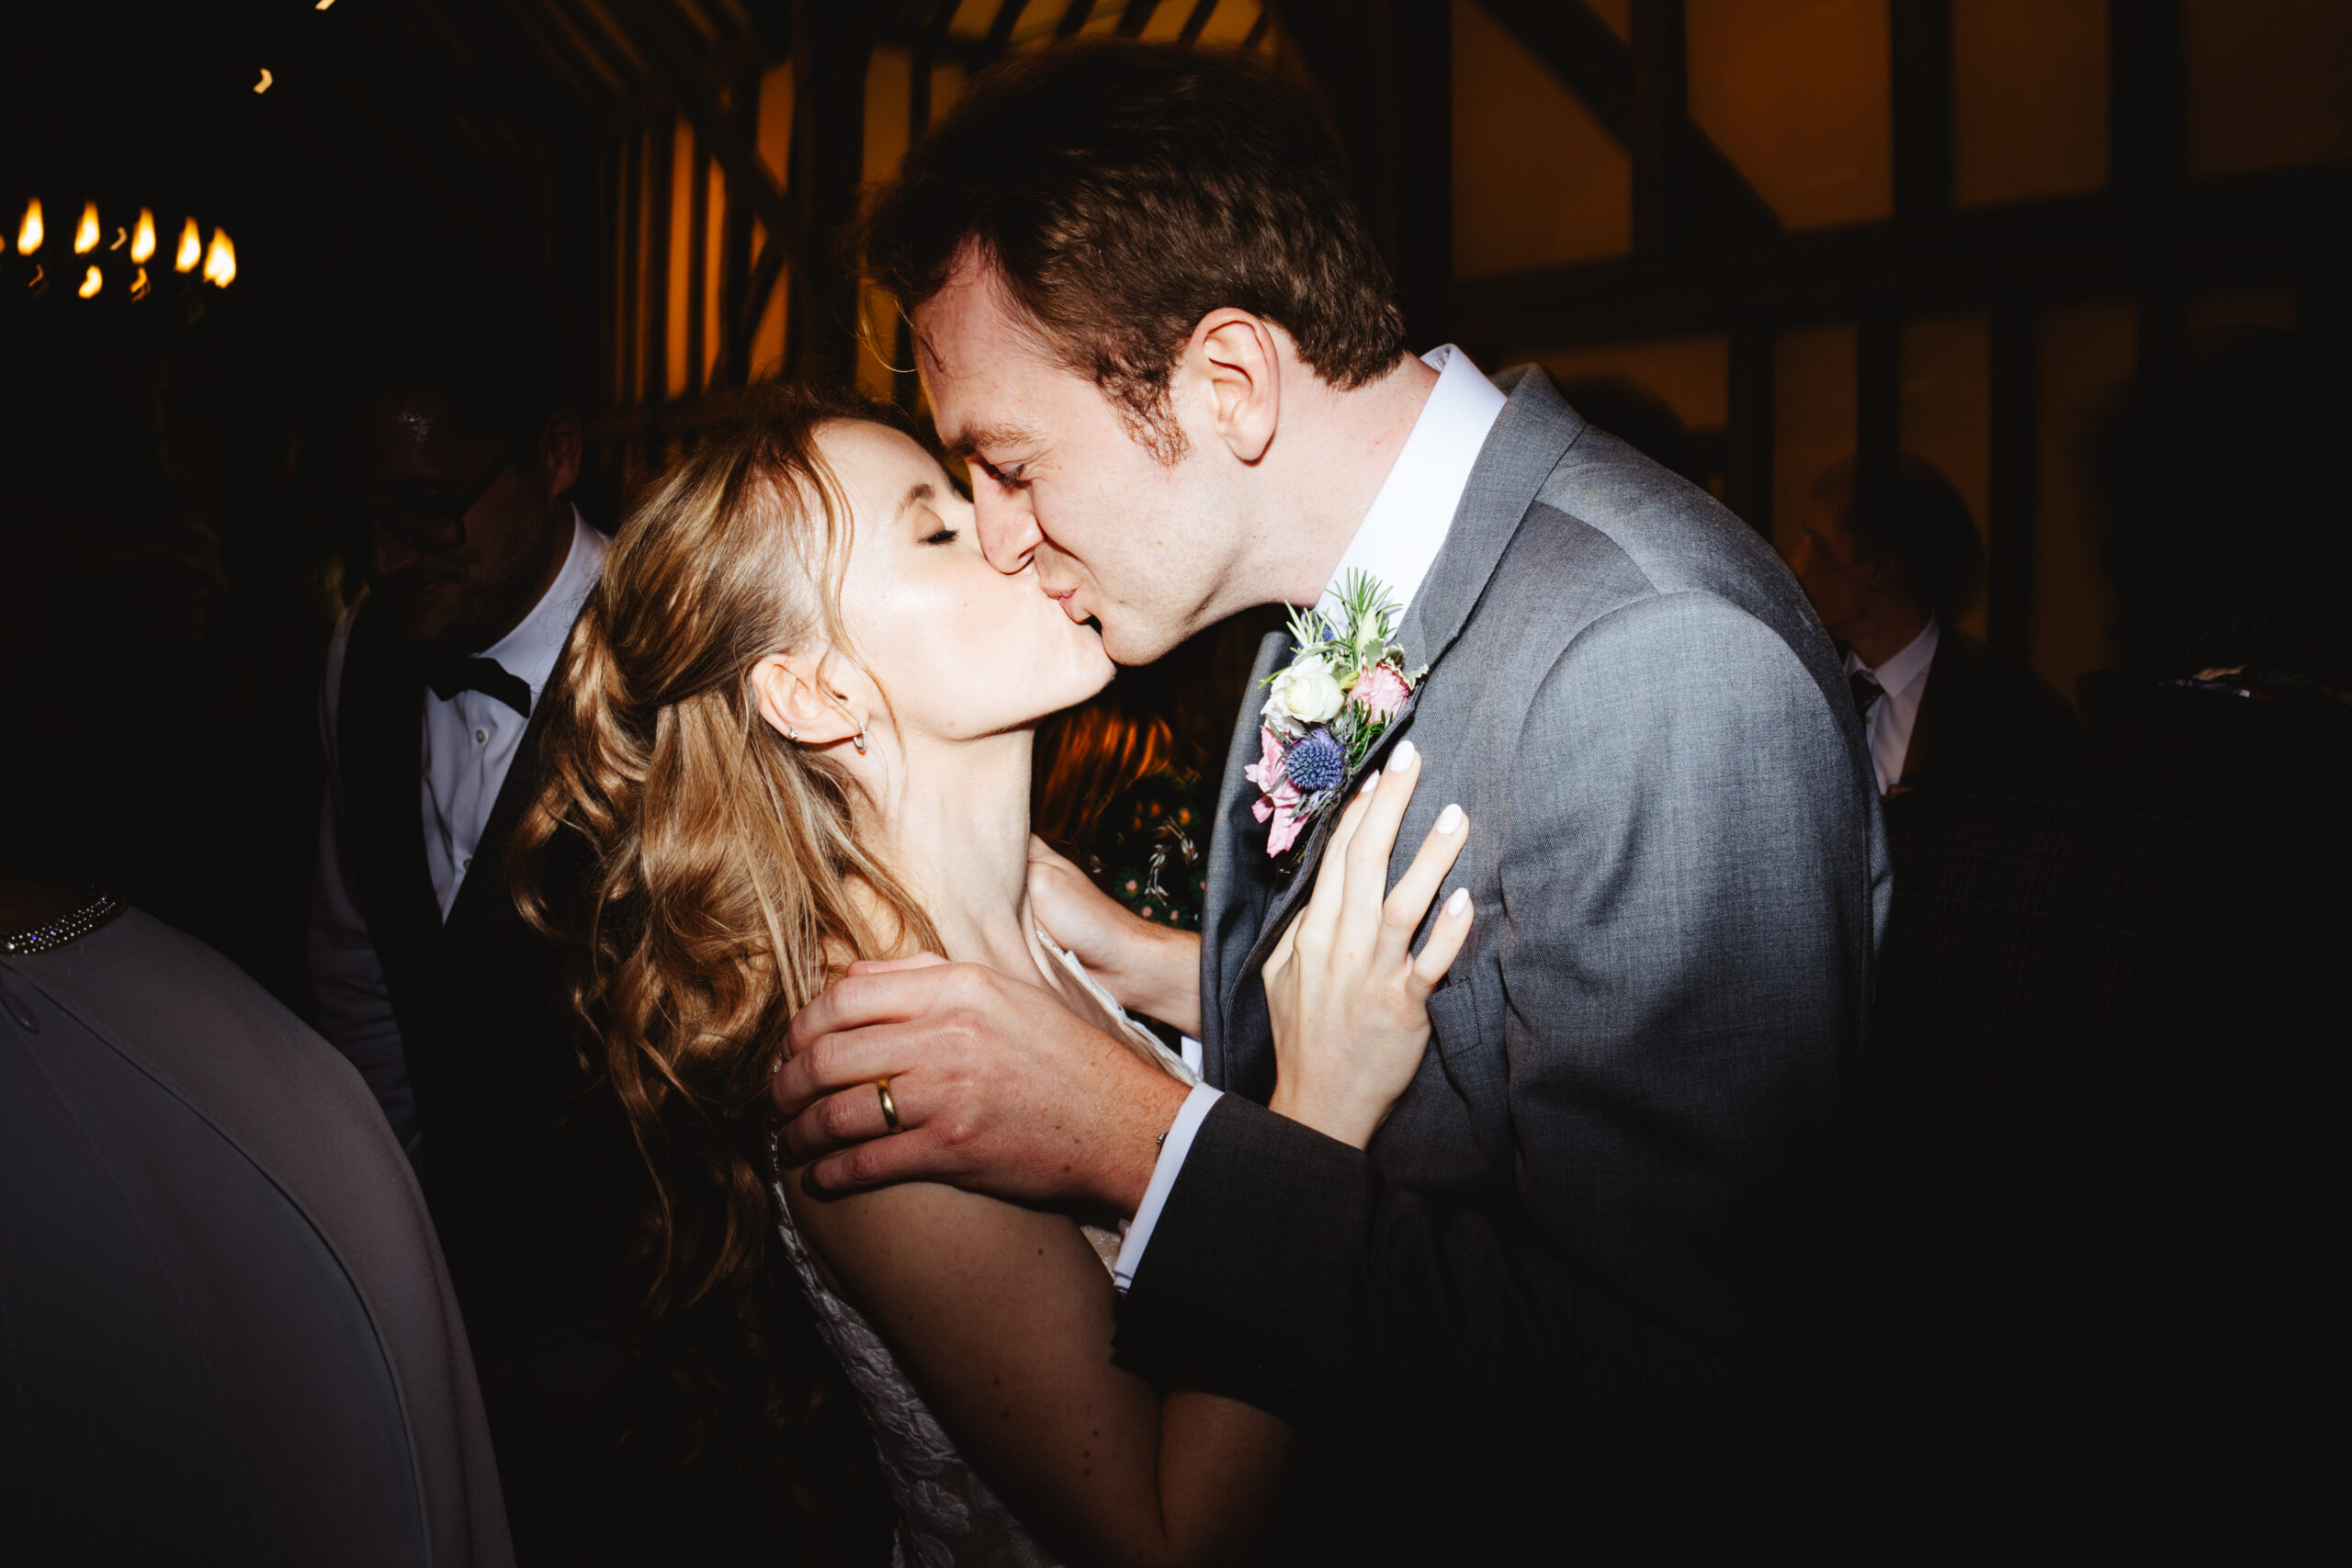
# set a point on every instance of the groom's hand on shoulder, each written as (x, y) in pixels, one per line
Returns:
(999, 1088)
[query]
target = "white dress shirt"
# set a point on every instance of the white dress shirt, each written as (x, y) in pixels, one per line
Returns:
(1903, 680)
(469, 742)
(1397, 542)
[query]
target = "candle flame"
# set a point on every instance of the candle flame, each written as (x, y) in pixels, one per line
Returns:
(191, 249)
(139, 285)
(28, 233)
(142, 238)
(220, 261)
(322, 5)
(85, 234)
(262, 86)
(92, 281)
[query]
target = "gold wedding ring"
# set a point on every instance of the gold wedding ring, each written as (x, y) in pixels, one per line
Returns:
(889, 1106)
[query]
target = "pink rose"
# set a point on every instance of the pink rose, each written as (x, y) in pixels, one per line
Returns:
(1280, 804)
(1380, 692)
(1266, 772)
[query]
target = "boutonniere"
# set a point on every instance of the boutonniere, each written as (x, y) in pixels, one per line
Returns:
(1328, 707)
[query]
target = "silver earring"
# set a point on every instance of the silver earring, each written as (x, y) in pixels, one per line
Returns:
(858, 740)
(790, 733)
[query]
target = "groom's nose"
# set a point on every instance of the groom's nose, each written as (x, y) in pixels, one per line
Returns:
(1009, 531)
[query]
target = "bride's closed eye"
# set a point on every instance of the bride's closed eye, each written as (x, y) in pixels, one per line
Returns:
(941, 536)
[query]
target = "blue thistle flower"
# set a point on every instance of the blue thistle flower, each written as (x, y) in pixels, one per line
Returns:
(1317, 761)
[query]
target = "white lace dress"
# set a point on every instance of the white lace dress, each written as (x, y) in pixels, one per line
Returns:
(947, 1515)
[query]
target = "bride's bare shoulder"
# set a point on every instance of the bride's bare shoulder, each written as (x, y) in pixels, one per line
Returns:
(893, 1251)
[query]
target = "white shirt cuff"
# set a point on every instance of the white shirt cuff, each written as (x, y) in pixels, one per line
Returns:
(1178, 1144)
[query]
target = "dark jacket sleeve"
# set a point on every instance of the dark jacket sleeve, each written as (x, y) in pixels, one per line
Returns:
(1677, 976)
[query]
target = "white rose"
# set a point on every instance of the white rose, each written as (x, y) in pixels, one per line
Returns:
(1306, 693)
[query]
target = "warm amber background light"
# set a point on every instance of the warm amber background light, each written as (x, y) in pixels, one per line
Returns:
(28, 233)
(85, 234)
(191, 249)
(92, 281)
(142, 240)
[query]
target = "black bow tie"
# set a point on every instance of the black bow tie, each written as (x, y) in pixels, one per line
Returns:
(487, 676)
(1867, 692)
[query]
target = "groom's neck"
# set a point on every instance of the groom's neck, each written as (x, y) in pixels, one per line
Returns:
(1333, 452)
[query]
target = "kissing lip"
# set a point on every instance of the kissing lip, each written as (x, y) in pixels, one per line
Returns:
(1065, 599)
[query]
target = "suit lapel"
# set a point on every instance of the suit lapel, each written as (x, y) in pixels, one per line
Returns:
(1533, 433)
(1239, 881)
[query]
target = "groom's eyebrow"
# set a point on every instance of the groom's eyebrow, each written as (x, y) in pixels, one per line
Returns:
(970, 440)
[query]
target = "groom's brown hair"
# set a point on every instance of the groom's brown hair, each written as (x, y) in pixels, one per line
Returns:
(1125, 190)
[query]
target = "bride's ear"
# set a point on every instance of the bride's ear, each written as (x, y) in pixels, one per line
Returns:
(1232, 372)
(797, 705)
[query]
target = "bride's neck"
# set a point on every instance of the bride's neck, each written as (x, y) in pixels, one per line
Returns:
(958, 829)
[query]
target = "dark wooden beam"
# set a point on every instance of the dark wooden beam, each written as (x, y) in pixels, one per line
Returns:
(733, 138)
(660, 177)
(633, 260)
(1753, 416)
(1202, 11)
(1136, 17)
(832, 47)
(739, 279)
(1074, 16)
(1384, 68)
(1658, 127)
(2251, 232)
(2013, 502)
(2147, 140)
(698, 272)
(1920, 85)
(1586, 55)
(1007, 16)
(2147, 95)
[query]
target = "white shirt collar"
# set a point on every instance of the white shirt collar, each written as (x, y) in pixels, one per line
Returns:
(531, 648)
(1906, 666)
(1401, 534)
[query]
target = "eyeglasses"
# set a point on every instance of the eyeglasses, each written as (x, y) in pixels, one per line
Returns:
(426, 522)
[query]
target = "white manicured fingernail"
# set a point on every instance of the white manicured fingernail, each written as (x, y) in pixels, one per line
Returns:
(1371, 781)
(1449, 821)
(1459, 904)
(1403, 758)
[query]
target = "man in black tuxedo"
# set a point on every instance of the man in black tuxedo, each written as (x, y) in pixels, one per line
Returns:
(1891, 564)
(451, 457)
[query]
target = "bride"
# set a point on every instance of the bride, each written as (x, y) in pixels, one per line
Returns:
(793, 729)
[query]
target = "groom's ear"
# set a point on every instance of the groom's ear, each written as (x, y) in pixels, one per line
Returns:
(797, 704)
(1233, 373)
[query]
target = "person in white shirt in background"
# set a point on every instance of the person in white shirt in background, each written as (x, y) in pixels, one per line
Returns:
(450, 454)
(1891, 572)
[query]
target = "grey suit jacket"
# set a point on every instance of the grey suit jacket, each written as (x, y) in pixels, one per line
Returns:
(1605, 1219)
(227, 1333)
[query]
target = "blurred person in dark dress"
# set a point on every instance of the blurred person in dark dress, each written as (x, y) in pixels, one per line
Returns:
(2108, 1064)
(1891, 565)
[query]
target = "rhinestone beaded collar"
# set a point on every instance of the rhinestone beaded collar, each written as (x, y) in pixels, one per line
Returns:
(60, 930)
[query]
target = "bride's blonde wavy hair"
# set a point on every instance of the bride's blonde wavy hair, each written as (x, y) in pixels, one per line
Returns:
(725, 875)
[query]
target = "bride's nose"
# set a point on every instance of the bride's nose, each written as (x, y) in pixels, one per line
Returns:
(1009, 531)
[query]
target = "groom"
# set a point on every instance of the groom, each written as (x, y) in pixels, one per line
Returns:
(1582, 1293)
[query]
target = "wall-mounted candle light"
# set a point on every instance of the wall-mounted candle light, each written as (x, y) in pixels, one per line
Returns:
(85, 233)
(29, 231)
(220, 261)
(191, 249)
(142, 238)
(92, 281)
